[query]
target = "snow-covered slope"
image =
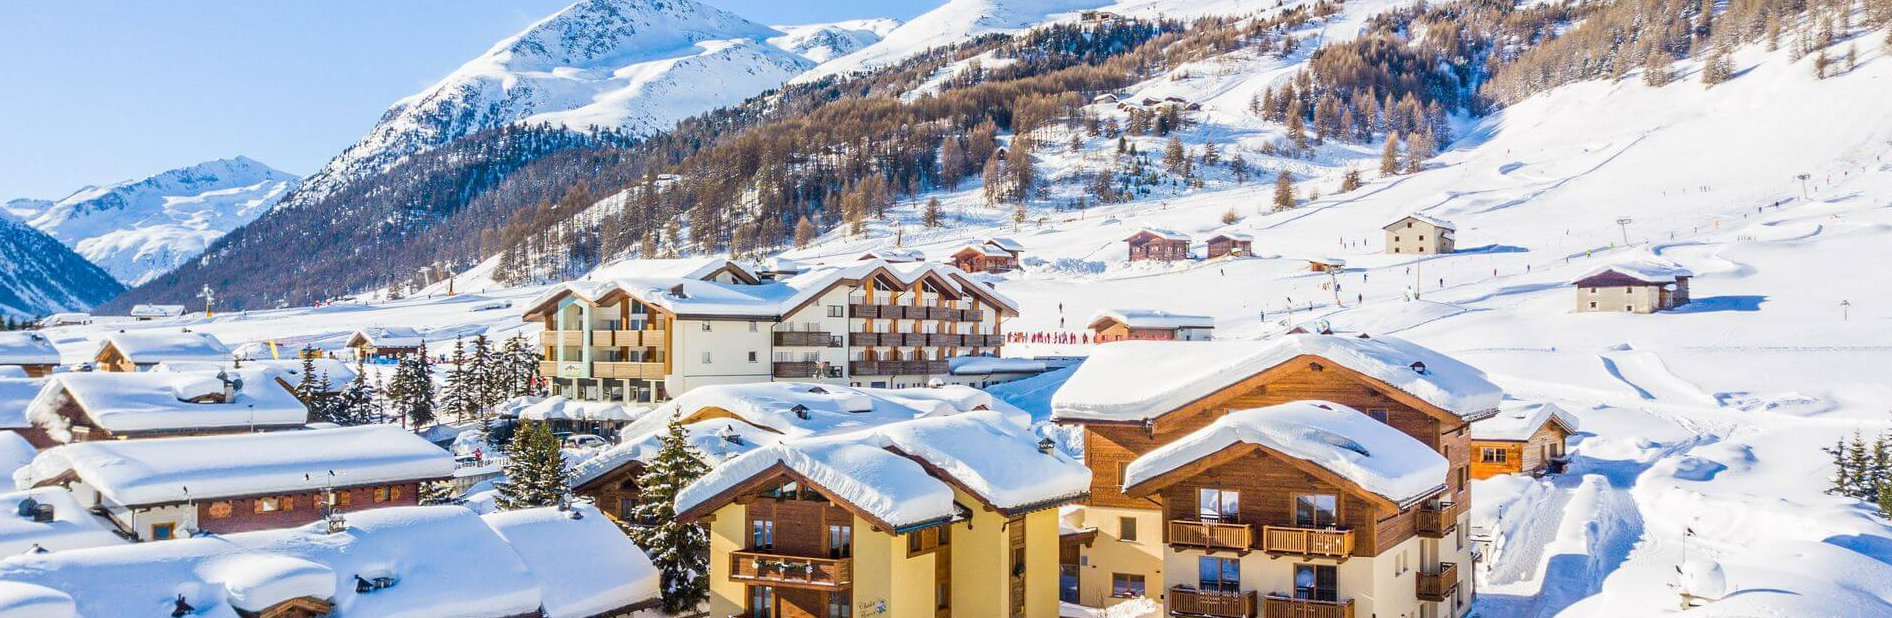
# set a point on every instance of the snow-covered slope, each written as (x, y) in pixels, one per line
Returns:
(824, 42)
(139, 229)
(39, 276)
(955, 21)
(635, 65)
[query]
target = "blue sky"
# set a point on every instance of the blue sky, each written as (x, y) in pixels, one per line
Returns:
(98, 92)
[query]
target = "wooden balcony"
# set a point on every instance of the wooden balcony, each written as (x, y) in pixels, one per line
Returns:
(622, 370)
(1438, 584)
(892, 368)
(564, 337)
(1434, 521)
(1190, 602)
(870, 310)
(1288, 607)
(806, 339)
(791, 571)
(1211, 535)
(548, 368)
(795, 369)
(1310, 542)
(631, 338)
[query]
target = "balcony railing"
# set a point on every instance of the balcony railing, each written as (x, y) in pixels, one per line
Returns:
(1287, 607)
(1438, 584)
(811, 339)
(1316, 542)
(626, 370)
(1434, 521)
(1191, 602)
(791, 571)
(795, 369)
(1211, 535)
(891, 368)
(629, 338)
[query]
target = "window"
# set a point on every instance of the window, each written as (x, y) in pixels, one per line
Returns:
(761, 534)
(1127, 528)
(943, 595)
(840, 605)
(1018, 562)
(163, 532)
(834, 311)
(1593, 304)
(385, 494)
(1125, 585)
(1378, 414)
(1316, 510)
(340, 498)
(1216, 574)
(1401, 564)
(267, 505)
(1422, 238)
(752, 356)
(1491, 454)
(1317, 582)
(1218, 504)
(706, 358)
(761, 602)
(840, 540)
(752, 326)
(705, 326)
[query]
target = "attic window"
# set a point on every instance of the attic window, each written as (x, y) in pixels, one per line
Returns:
(365, 585)
(1419, 367)
(677, 291)
(800, 411)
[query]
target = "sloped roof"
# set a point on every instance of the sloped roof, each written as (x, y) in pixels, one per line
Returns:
(685, 267)
(1120, 381)
(156, 346)
(390, 336)
(1005, 243)
(1238, 236)
(1422, 218)
(1641, 266)
(165, 470)
(148, 401)
(1150, 318)
(156, 311)
(1364, 452)
(72, 527)
(1517, 420)
(768, 300)
(885, 473)
(1161, 233)
(27, 348)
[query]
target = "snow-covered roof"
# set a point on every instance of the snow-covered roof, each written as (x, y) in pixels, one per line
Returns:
(1370, 454)
(1517, 420)
(1236, 236)
(1641, 266)
(768, 300)
(879, 471)
(984, 250)
(442, 561)
(1150, 318)
(18, 600)
(684, 267)
(154, 401)
(1328, 260)
(1141, 380)
(980, 365)
(159, 470)
(893, 255)
(559, 408)
(830, 408)
(15, 453)
(1422, 218)
(715, 440)
(613, 575)
(15, 395)
(390, 336)
(156, 346)
(339, 373)
(27, 348)
(156, 311)
(1005, 243)
(1158, 232)
(70, 317)
(72, 527)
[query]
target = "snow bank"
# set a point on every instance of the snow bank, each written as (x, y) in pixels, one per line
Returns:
(19, 600)
(72, 526)
(27, 348)
(15, 395)
(1140, 380)
(613, 573)
(1371, 454)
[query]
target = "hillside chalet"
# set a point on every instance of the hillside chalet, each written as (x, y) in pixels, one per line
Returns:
(1640, 284)
(1326, 264)
(171, 487)
(1236, 244)
(1126, 415)
(386, 341)
(994, 255)
(31, 352)
(1521, 439)
(147, 313)
(1160, 245)
(954, 515)
(93, 405)
(1416, 233)
(140, 350)
(1149, 325)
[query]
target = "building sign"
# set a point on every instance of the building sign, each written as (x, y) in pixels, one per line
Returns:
(574, 370)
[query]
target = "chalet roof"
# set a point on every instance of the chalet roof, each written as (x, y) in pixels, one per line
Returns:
(157, 311)
(769, 300)
(1150, 318)
(1116, 383)
(1328, 261)
(1422, 218)
(1517, 420)
(1161, 233)
(686, 268)
(560, 408)
(156, 401)
(985, 249)
(1235, 236)
(443, 560)
(984, 365)
(167, 470)
(715, 440)
(27, 348)
(72, 527)
(1364, 452)
(390, 336)
(1642, 266)
(888, 473)
(894, 255)
(157, 346)
(1005, 243)
(339, 373)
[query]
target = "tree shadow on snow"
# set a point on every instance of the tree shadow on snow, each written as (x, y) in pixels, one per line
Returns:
(1736, 302)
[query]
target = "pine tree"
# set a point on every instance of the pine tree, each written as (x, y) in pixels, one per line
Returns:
(1283, 191)
(1239, 167)
(535, 469)
(930, 217)
(1389, 156)
(804, 232)
(1859, 460)
(412, 389)
(356, 404)
(460, 399)
(519, 368)
(680, 551)
(1842, 474)
(488, 375)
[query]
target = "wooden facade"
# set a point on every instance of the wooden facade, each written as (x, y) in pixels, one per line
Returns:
(1150, 246)
(1495, 457)
(615, 492)
(1223, 244)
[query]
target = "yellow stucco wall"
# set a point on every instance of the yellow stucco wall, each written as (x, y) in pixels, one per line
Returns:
(727, 533)
(1109, 553)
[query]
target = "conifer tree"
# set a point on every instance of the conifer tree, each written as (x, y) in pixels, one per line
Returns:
(1350, 181)
(412, 389)
(930, 217)
(356, 404)
(1655, 67)
(1717, 67)
(1238, 166)
(1389, 156)
(804, 232)
(1283, 191)
(1418, 149)
(680, 551)
(520, 368)
(535, 469)
(461, 395)
(1173, 155)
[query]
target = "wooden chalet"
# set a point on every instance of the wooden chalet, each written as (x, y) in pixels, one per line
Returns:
(1235, 244)
(1152, 244)
(1522, 439)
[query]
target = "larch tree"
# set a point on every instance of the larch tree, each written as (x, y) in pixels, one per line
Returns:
(535, 469)
(1173, 155)
(1283, 191)
(804, 232)
(1418, 149)
(1389, 156)
(1229, 217)
(680, 551)
(1350, 181)
(930, 217)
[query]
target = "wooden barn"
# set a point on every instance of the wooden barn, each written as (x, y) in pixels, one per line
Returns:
(1231, 244)
(1158, 245)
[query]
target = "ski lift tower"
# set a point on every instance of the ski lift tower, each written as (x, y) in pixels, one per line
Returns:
(1623, 222)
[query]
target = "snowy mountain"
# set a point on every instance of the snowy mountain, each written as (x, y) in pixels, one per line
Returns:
(953, 22)
(39, 276)
(824, 42)
(634, 65)
(139, 229)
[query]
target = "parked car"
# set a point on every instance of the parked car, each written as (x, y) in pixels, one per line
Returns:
(585, 441)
